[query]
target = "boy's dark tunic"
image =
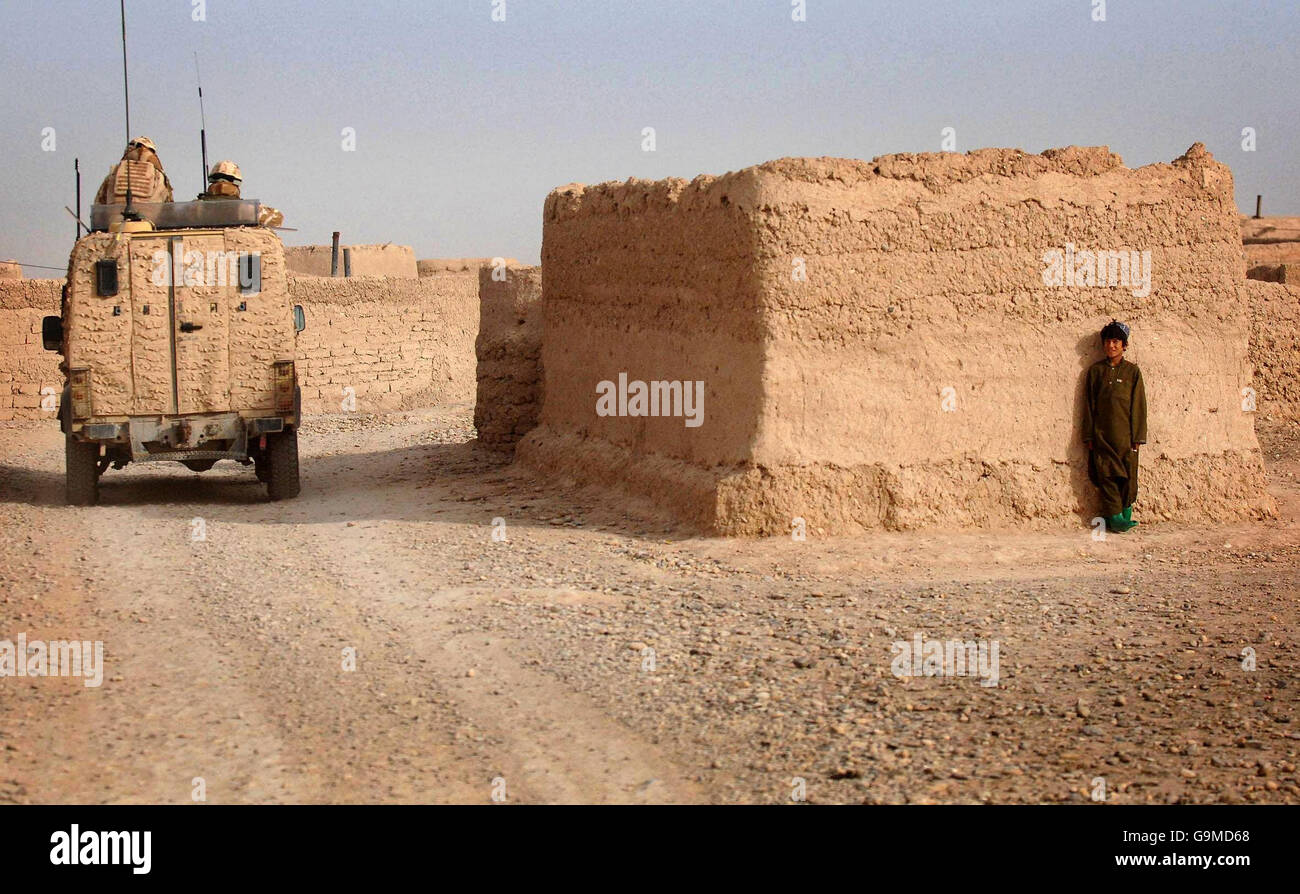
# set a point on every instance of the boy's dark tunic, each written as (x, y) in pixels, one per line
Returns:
(1114, 419)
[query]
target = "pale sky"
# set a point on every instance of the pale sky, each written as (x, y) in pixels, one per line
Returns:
(464, 124)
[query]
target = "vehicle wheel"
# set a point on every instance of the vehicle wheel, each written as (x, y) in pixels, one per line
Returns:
(282, 457)
(198, 465)
(82, 471)
(262, 468)
(65, 410)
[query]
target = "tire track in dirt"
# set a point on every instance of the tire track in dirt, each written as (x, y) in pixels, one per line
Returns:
(554, 746)
(773, 655)
(225, 654)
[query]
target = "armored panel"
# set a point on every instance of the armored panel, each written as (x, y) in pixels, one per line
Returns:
(210, 214)
(260, 324)
(139, 176)
(207, 283)
(99, 328)
(151, 342)
(184, 333)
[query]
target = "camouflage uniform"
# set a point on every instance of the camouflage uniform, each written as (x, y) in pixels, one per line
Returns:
(142, 170)
(220, 189)
(269, 217)
(224, 183)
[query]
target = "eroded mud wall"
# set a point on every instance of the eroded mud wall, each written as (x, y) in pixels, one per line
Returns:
(508, 349)
(654, 281)
(884, 345)
(1275, 348)
(431, 266)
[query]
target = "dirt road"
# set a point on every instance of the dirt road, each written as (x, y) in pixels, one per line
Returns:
(372, 642)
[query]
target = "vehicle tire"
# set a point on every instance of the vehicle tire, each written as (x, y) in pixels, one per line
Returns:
(65, 410)
(82, 471)
(282, 457)
(198, 465)
(262, 468)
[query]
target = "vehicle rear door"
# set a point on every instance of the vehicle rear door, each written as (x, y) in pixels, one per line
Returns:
(206, 283)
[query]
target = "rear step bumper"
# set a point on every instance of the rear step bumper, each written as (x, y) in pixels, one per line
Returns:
(180, 438)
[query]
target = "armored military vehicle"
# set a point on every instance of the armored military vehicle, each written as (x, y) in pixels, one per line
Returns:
(178, 343)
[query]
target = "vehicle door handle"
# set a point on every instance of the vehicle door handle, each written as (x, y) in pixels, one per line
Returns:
(191, 327)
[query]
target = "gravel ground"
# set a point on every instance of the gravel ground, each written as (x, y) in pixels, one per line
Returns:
(597, 654)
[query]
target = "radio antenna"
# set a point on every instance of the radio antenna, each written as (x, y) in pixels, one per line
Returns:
(76, 166)
(203, 119)
(126, 83)
(126, 90)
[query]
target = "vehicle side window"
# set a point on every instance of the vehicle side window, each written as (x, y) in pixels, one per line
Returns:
(106, 278)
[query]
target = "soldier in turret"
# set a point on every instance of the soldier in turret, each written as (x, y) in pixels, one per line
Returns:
(141, 169)
(225, 181)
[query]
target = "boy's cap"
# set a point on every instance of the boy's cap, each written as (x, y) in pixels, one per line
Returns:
(1116, 329)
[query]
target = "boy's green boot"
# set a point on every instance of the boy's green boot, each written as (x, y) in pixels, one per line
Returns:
(1128, 516)
(1117, 525)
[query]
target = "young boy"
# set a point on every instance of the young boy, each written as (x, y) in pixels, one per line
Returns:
(1114, 424)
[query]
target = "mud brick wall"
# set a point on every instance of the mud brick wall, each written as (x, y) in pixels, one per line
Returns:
(431, 266)
(367, 260)
(25, 367)
(397, 343)
(827, 394)
(1275, 348)
(508, 349)
(1270, 243)
(656, 280)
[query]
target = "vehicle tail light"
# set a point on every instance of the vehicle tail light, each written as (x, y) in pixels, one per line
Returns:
(285, 379)
(79, 391)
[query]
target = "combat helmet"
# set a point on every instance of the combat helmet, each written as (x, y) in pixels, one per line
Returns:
(226, 170)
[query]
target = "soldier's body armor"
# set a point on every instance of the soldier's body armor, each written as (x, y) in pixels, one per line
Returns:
(147, 184)
(224, 189)
(220, 189)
